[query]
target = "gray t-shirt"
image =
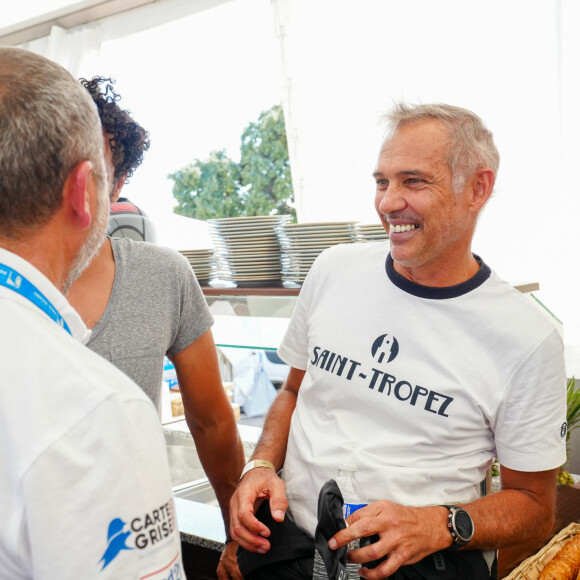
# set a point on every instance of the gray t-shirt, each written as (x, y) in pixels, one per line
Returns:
(156, 308)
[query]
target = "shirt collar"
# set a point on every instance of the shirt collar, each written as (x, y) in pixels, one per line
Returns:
(75, 323)
(438, 293)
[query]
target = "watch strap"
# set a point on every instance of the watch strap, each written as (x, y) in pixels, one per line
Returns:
(257, 463)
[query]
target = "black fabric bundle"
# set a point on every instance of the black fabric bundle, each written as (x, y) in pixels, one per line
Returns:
(330, 521)
(447, 565)
(292, 550)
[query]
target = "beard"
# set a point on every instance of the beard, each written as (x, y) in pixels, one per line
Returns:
(92, 244)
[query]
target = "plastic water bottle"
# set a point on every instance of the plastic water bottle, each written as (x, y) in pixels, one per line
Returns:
(352, 493)
(354, 498)
(169, 374)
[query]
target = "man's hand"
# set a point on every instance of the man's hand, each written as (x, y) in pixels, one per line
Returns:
(257, 485)
(228, 566)
(406, 535)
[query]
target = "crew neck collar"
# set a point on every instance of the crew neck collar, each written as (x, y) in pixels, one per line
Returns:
(435, 292)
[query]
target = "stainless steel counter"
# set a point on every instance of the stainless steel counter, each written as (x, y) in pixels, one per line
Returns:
(198, 515)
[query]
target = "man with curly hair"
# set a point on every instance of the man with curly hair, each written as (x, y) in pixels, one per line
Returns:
(127, 141)
(143, 303)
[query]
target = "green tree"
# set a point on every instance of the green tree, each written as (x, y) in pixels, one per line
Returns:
(208, 189)
(260, 184)
(265, 167)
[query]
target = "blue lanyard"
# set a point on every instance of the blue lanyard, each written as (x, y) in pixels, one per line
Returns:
(11, 279)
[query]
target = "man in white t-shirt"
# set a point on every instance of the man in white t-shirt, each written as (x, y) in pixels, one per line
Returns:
(419, 365)
(85, 490)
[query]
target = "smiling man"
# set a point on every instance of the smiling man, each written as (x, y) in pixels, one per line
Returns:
(413, 360)
(430, 222)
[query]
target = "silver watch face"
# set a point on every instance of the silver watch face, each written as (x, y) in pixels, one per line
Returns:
(463, 525)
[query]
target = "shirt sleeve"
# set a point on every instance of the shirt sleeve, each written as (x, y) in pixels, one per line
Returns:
(530, 433)
(293, 349)
(195, 317)
(98, 501)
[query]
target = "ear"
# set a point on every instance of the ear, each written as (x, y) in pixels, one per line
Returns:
(116, 193)
(76, 189)
(483, 181)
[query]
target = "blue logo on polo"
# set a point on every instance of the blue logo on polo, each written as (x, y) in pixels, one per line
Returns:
(117, 539)
(385, 346)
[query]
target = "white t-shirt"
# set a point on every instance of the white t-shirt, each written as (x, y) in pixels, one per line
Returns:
(85, 489)
(420, 387)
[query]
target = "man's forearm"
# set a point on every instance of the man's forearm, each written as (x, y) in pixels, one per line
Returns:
(210, 418)
(506, 518)
(221, 454)
(274, 439)
(523, 513)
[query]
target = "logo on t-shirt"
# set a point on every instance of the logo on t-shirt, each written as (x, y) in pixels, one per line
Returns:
(563, 430)
(117, 538)
(367, 372)
(143, 531)
(385, 346)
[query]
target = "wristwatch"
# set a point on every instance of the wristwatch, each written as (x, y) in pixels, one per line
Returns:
(257, 463)
(460, 526)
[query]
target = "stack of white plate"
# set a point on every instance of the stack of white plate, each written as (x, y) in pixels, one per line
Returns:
(301, 243)
(203, 264)
(247, 249)
(370, 233)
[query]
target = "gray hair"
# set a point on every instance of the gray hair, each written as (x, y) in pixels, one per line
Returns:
(470, 146)
(48, 124)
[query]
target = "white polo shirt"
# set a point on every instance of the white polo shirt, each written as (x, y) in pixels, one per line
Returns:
(85, 490)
